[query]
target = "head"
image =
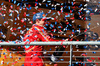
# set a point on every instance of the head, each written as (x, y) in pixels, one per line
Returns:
(39, 19)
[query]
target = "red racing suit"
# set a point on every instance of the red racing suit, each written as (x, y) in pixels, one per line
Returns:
(36, 33)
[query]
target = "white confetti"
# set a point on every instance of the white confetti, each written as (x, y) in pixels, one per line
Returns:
(17, 11)
(2, 62)
(4, 36)
(73, 21)
(14, 33)
(44, 52)
(96, 9)
(85, 5)
(39, 4)
(57, 3)
(18, 18)
(43, 0)
(36, 7)
(11, 20)
(97, 23)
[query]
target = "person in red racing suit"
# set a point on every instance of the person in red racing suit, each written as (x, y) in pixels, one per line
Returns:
(35, 33)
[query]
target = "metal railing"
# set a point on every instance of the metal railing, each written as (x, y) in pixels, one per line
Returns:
(54, 43)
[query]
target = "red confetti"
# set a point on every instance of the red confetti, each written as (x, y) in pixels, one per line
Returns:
(71, 39)
(24, 14)
(55, 64)
(18, 47)
(72, 32)
(74, 3)
(96, 63)
(24, 23)
(61, 42)
(85, 30)
(35, 4)
(79, 64)
(14, 28)
(91, 13)
(14, 62)
(84, 54)
(72, 18)
(13, 37)
(85, 64)
(0, 41)
(66, 13)
(64, 46)
(26, 9)
(98, 58)
(77, 40)
(0, 8)
(84, 18)
(67, 23)
(61, 15)
(34, 12)
(54, 18)
(92, 58)
(70, 11)
(73, 7)
(39, 9)
(17, 7)
(29, 5)
(5, 57)
(36, 0)
(22, 20)
(89, 60)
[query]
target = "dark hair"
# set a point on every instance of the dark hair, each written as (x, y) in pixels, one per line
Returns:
(35, 20)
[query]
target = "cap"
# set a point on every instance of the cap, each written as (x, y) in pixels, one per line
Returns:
(40, 15)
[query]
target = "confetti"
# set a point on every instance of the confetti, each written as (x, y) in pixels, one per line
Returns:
(60, 13)
(55, 64)
(94, 52)
(92, 58)
(89, 60)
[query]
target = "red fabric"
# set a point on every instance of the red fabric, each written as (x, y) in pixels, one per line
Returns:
(33, 61)
(35, 35)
